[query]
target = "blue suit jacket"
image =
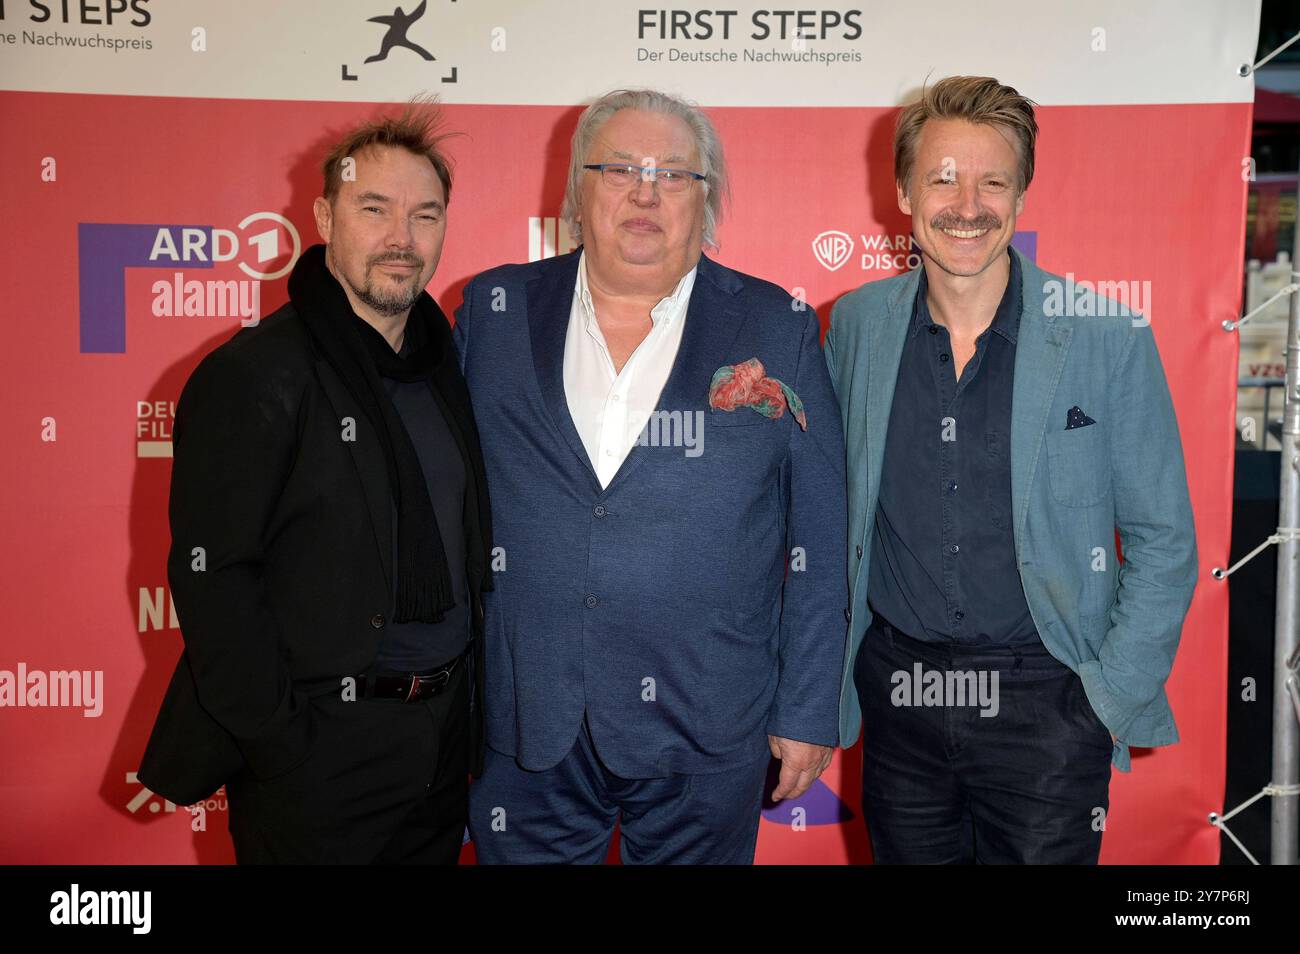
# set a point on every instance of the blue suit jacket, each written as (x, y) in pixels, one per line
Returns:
(660, 605)
(1117, 627)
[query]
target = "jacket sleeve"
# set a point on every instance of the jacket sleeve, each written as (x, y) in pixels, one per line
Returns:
(233, 449)
(816, 591)
(1153, 514)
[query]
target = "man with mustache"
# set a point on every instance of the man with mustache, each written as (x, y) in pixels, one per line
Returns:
(330, 531)
(995, 447)
(668, 495)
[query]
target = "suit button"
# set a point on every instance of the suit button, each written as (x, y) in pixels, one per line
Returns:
(600, 510)
(377, 621)
(859, 552)
(591, 601)
(848, 615)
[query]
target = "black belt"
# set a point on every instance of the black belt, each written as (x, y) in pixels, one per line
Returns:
(1033, 647)
(409, 686)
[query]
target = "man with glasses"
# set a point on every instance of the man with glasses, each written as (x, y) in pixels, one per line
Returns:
(666, 462)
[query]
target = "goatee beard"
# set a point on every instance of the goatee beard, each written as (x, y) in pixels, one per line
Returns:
(387, 305)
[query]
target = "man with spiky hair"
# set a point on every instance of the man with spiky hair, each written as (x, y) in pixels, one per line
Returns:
(330, 531)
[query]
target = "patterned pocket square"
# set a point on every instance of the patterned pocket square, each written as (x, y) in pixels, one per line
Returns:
(745, 385)
(1075, 417)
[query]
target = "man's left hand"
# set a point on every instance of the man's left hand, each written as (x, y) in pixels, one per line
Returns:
(801, 764)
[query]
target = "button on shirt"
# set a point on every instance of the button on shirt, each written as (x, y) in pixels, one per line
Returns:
(943, 559)
(610, 408)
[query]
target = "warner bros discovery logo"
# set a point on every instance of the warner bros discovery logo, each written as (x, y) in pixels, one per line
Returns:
(834, 249)
(264, 246)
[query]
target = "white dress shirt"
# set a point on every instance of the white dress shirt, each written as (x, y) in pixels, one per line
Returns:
(610, 408)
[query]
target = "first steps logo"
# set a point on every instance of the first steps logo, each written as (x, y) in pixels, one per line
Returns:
(833, 248)
(74, 26)
(397, 24)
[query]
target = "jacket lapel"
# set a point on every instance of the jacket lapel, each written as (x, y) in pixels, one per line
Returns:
(885, 339)
(713, 323)
(1041, 346)
(550, 299)
(369, 461)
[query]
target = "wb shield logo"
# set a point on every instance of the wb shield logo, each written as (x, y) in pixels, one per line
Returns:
(833, 249)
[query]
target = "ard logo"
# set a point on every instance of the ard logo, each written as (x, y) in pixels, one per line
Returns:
(833, 249)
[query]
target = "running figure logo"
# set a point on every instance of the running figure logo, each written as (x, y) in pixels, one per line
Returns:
(398, 23)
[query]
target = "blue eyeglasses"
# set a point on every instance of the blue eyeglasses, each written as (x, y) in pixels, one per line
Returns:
(622, 175)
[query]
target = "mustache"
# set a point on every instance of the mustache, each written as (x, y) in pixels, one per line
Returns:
(986, 220)
(399, 258)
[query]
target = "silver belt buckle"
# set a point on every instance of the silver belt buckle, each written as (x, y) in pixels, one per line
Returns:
(414, 690)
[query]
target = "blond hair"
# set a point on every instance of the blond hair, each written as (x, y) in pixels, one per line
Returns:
(976, 99)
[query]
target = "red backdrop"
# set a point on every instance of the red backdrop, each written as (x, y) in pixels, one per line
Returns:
(1119, 194)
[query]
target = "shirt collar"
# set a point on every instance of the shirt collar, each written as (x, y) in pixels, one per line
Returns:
(663, 313)
(1006, 320)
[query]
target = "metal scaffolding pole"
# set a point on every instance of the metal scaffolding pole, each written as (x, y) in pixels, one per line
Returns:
(1286, 728)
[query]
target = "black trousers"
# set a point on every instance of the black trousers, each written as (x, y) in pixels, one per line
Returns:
(386, 783)
(1019, 774)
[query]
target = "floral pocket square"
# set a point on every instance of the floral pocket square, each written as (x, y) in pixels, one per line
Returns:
(746, 385)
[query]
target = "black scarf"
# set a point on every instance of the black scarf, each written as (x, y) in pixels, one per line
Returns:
(359, 355)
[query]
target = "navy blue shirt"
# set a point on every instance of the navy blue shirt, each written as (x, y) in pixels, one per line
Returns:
(418, 646)
(943, 561)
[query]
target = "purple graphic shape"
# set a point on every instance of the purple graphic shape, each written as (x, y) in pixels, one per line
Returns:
(821, 807)
(1026, 243)
(104, 251)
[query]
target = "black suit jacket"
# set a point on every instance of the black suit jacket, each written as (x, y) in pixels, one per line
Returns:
(281, 558)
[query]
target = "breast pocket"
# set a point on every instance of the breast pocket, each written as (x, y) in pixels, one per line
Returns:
(1078, 464)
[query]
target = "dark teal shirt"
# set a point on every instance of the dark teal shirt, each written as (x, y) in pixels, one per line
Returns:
(943, 561)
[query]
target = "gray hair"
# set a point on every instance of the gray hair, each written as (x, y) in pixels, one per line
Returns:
(707, 143)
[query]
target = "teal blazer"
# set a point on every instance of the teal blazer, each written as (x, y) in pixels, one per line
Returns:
(1116, 625)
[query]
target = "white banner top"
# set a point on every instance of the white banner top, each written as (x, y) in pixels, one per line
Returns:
(515, 52)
